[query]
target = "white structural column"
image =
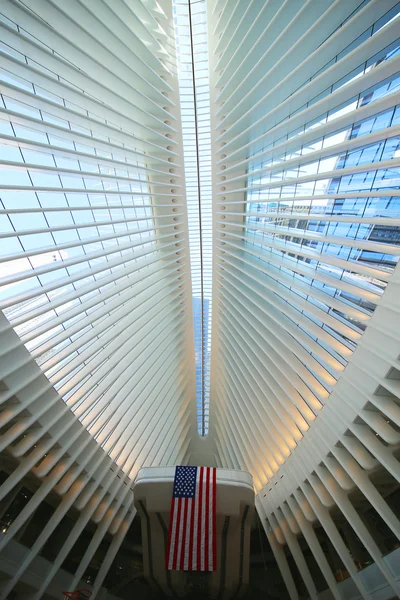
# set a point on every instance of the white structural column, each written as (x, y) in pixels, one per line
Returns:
(305, 361)
(96, 354)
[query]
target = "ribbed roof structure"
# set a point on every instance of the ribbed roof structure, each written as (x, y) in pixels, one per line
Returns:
(200, 235)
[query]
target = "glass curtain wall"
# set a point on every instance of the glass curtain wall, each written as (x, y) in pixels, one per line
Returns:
(313, 230)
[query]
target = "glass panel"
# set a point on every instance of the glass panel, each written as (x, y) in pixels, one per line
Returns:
(190, 30)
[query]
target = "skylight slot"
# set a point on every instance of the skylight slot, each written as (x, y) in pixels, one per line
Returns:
(192, 53)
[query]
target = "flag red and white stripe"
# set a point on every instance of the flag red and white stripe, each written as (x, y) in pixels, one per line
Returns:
(192, 523)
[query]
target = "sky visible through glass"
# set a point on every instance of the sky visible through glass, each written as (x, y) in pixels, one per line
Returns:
(303, 221)
(192, 55)
(76, 222)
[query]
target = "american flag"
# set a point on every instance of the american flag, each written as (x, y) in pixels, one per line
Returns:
(191, 534)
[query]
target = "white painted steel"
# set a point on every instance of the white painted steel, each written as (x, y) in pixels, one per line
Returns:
(97, 360)
(305, 362)
(97, 357)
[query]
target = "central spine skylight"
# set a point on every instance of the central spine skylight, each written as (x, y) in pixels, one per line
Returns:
(191, 44)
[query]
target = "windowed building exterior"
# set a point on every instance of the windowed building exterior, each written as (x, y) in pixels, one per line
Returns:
(200, 217)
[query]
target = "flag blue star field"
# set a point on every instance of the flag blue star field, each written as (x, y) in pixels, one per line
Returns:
(192, 522)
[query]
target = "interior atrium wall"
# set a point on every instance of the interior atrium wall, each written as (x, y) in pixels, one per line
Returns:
(305, 354)
(96, 331)
(97, 337)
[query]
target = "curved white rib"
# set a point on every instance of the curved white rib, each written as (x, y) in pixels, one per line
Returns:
(306, 217)
(96, 358)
